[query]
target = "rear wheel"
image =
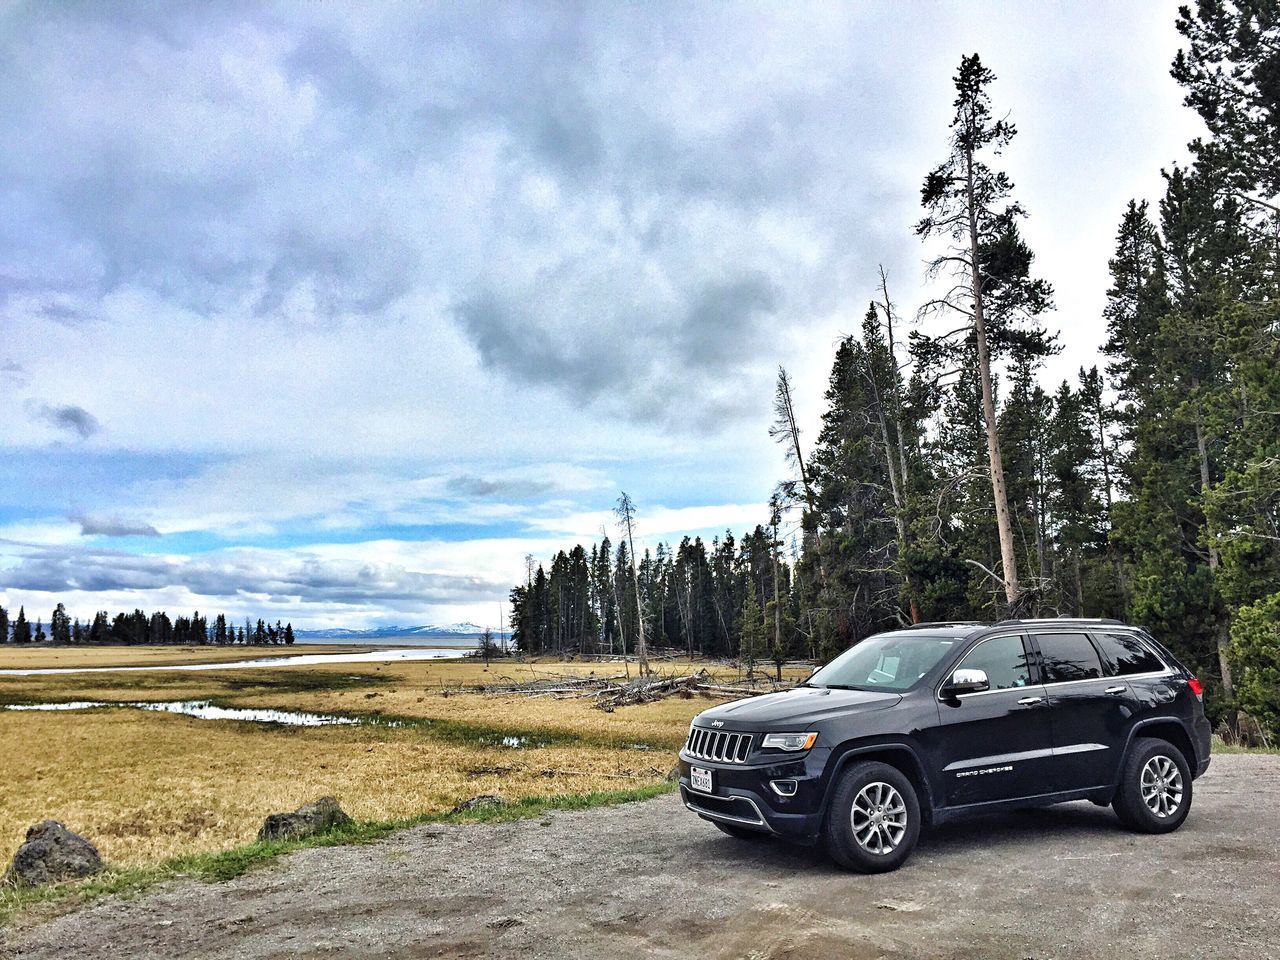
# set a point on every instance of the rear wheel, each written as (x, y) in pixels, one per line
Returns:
(1155, 787)
(874, 820)
(741, 833)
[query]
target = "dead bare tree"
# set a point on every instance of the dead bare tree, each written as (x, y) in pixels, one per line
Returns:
(987, 263)
(786, 431)
(626, 512)
(895, 447)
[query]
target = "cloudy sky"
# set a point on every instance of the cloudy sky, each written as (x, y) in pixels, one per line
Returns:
(333, 312)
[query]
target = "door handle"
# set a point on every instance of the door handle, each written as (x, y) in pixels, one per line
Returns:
(1119, 689)
(1028, 701)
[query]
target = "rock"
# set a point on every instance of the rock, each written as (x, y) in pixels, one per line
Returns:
(480, 803)
(308, 820)
(51, 853)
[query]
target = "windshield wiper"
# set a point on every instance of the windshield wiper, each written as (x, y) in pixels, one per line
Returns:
(846, 686)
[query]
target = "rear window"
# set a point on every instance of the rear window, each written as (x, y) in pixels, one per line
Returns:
(1068, 656)
(1128, 654)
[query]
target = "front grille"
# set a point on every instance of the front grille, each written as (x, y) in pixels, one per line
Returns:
(718, 745)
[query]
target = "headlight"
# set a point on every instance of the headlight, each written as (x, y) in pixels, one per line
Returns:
(791, 742)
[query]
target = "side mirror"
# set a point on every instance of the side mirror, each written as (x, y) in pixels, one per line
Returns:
(965, 681)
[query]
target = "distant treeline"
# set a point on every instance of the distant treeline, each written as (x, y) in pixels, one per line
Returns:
(727, 599)
(140, 627)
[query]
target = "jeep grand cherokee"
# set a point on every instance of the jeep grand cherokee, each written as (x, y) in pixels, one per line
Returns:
(920, 725)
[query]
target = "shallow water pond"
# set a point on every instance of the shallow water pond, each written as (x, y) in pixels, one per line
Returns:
(204, 710)
(260, 663)
(207, 710)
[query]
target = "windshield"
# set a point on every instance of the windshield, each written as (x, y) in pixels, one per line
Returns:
(890, 661)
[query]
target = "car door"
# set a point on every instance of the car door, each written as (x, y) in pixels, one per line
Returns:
(1088, 710)
(995, 745)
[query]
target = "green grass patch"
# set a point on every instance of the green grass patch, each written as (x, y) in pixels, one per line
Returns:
(1221, 746)
(240, 682)
(452, 731)
(21, 902)
(295, 680)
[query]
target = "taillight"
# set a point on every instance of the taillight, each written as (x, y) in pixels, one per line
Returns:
(1196, 687)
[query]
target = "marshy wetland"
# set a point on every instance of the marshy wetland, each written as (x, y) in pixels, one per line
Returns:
(162, 763)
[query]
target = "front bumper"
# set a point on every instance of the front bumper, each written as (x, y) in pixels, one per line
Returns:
(741, 795)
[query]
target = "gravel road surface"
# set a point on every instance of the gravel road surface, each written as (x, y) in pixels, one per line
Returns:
(652, 880)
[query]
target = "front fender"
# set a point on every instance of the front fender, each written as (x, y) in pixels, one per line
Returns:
(898, 753)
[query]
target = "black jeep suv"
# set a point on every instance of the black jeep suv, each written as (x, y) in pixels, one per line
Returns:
(919, 725)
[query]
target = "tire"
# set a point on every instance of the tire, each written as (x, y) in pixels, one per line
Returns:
(1155, 787)
(873, 822)
(741, 833)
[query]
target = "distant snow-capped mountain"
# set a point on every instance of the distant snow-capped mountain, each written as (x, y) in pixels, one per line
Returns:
(430, 630)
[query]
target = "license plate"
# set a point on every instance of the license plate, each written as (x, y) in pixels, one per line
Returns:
(700, 779)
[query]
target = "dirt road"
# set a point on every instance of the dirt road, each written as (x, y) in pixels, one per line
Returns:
(651, 880)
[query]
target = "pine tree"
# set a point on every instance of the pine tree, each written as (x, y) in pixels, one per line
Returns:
(1137, 301)
(753, 643)
(40, 634)
(21, 628)
(1229, 71)
(60, 625)
(100, 629)
(4, 625)
(626, 518)
(1074, 507)
(994, 294)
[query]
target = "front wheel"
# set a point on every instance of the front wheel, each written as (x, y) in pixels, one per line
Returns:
(874, 820)
(1155, 787)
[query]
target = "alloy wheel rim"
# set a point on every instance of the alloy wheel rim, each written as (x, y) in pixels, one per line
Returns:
(1162, 786)
(878, 818)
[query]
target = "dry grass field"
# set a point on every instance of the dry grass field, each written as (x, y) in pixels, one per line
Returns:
(149, 786)
(27, 658)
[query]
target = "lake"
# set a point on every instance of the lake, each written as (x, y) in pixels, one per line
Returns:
(262, 663)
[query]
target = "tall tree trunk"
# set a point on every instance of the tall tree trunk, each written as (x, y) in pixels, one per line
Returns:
(617, 621)
(1042, 562)
(1223, 629)
(1004, 527)
(792, 431)
(898, 476)
(642, 653)
(777, 605)
(1105, 454)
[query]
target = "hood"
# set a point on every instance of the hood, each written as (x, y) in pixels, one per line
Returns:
(802, 706)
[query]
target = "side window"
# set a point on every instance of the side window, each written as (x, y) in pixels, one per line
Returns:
(1128, 654)
(1068, 656)
(1004, 661)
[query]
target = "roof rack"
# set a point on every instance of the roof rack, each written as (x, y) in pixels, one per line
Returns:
(934, 624)
(1106, 620)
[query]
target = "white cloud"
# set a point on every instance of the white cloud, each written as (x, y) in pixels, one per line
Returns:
(429, 267)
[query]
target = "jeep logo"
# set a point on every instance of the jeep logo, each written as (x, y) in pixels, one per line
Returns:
(717, 723)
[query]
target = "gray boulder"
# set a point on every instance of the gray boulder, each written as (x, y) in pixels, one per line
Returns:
(51, 853)
(308, 820)
(482, 802)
